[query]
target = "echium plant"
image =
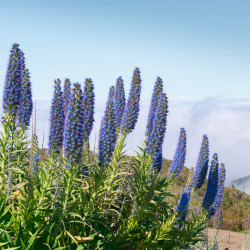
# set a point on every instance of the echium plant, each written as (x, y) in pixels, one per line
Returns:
(120, 102)
(107, 135)
(156, 137)
(12, 87)
(202, 164)
(66, 96)
(158, 88)
(56, 120)
(220, 189)
(212, 185)
(74, 133)
(88, 108)
(25, 105)
(179, 157)
(131, 112)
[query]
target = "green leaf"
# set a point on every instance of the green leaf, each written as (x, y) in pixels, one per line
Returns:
(12, 248)
(20, 235)
(32, 239)
(2, 244)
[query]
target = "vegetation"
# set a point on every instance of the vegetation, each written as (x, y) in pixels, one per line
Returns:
(69, 198)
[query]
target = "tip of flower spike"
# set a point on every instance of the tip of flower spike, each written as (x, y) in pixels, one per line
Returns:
(67, 81)
(215, 156)
(158, 79)
(57, 81)
(76, 85)
(88, 80)
(15, 45)
(112, 91)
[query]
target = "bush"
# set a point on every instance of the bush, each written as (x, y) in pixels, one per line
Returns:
(122, 206)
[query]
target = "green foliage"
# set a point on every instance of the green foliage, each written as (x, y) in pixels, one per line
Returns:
(124, 205)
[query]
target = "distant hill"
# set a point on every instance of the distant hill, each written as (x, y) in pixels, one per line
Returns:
(242, 184)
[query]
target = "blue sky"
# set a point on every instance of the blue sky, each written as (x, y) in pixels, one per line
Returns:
(201, 50)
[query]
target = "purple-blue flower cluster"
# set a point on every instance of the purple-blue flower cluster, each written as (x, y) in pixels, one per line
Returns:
(74, 133)
(88, 108)
(201, 168)
(120, 102)
(107, 136)
(17, 97)
(12, 87)
(158, 88)
(155, 139)
(56, 120)
(25, 104)
(212, 184)
(131, 112)
(220, 189)
(66, 96)
(179, 157)
(182, 205)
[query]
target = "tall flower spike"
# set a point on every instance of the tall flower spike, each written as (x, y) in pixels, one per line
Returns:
(56, 120)
(155, 139)
(12, 87)
(107, 136)
(131, 112)
(88, 107)
(25, 105)
(66, 96)
(158, 88)
(202, 164)
(182, 205)
(74, 133)
(120, 102)
(212, 184)
(179, 157)
(220, 189)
